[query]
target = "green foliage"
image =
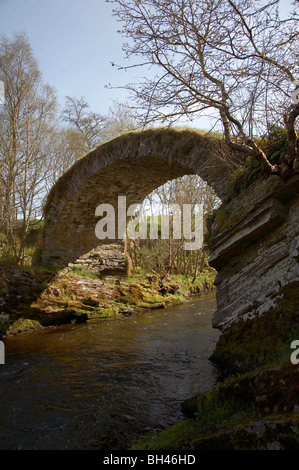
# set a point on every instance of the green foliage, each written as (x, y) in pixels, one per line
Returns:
(30, 243)
(221, 215)
(242, 178)
(81, 271)
(275, 146)
(23, 325)
(204, 282)
(225, 403)
(34, 232)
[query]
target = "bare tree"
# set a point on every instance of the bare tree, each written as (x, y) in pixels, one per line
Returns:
(29, 108)
(168, 254)
(87, 124)
(238, 58)
(119, 120)
(87, 129)
(63, 149)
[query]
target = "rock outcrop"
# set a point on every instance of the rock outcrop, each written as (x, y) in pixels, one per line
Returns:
(31, 299)
(255, 249)
(105, 260)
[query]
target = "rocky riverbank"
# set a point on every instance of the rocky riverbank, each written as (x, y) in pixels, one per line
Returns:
(257, 406)
(34, 298)
(257, 411)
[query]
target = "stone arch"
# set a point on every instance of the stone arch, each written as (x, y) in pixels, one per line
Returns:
(131, 165)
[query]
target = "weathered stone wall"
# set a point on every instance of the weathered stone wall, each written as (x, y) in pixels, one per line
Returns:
(104, 260)
(255, 249)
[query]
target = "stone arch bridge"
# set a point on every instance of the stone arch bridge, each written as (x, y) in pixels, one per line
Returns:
(131, 165)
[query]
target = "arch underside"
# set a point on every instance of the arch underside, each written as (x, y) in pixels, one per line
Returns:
(132, 165)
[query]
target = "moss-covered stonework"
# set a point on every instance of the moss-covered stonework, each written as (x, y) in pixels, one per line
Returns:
(34, 298)
(273, 433)
(259, 410)
(252, 343)
(23, 325)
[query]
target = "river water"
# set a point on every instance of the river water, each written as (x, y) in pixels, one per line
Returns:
(104, 384)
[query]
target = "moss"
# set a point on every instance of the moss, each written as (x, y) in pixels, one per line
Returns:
(225, 217)
(37, 270)
(221, 215)
(4, 328)
(148, 292)
(243, 177)
(81, 271)
(275, 146)
(248, 412)
(249, 344)
(54, 298)
(108, 312)
(23, 325)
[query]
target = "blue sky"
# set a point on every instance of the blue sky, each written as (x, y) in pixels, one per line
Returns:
(74, 42)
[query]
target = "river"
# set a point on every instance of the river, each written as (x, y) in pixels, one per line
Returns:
(104, 384)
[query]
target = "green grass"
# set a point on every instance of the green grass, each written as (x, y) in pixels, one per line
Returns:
(81, 271)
